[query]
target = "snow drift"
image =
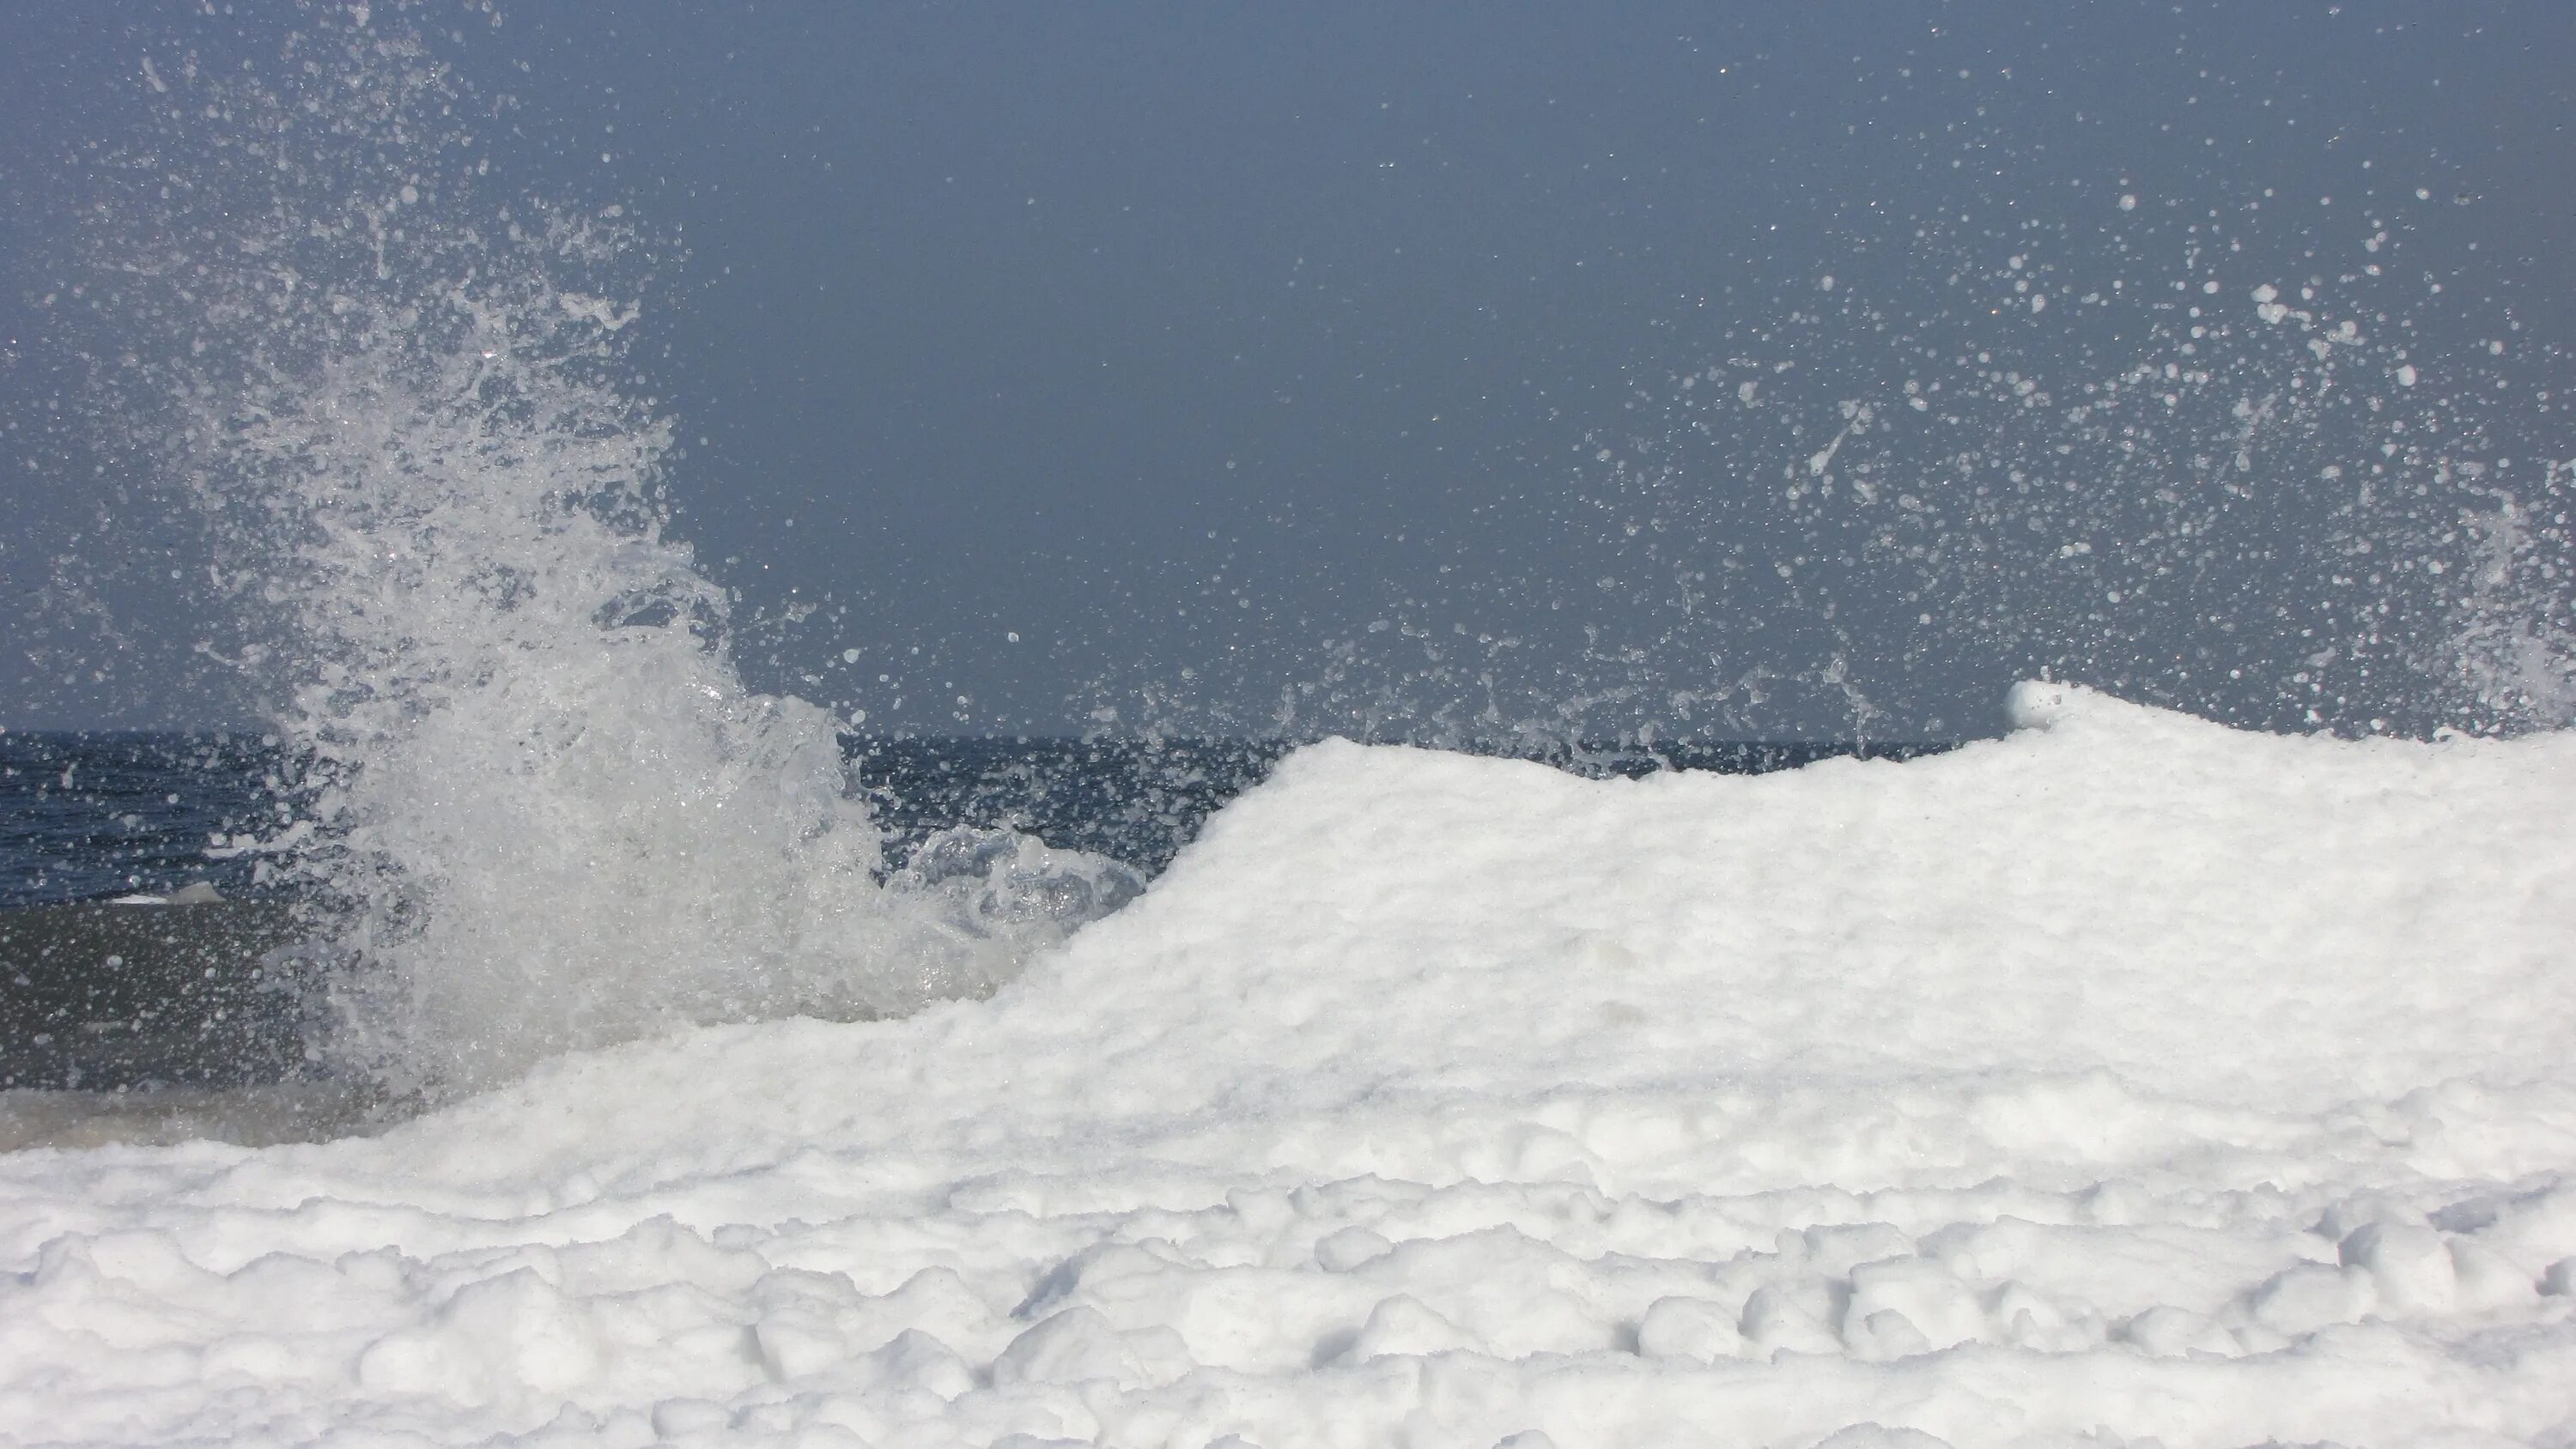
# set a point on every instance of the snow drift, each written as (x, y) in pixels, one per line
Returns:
(2128, 1078)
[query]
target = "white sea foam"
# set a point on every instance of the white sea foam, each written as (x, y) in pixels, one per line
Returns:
(2129, 1078)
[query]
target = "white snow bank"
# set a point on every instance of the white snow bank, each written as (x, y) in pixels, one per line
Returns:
(2128, 1078)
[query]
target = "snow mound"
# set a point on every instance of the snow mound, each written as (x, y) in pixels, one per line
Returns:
(2127, 1079)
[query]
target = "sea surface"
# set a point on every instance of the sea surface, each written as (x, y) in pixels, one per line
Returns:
(103, 987)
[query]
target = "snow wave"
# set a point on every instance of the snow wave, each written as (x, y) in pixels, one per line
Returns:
(2127, 1078)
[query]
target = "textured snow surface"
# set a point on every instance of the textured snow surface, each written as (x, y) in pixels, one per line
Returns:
(2127, 1080)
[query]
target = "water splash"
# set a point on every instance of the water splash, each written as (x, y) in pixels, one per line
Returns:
(2201, 457)
(533, 792)
(2516, 625)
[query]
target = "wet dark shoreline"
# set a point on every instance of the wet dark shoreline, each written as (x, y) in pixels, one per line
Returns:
(103, 995)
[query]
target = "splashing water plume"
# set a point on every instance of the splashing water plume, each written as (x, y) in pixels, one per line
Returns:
(533, 785)
(2285, 466)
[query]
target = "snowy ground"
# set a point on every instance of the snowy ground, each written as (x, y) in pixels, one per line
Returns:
(2126, 1080)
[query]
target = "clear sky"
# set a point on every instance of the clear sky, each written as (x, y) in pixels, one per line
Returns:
(1443, 368)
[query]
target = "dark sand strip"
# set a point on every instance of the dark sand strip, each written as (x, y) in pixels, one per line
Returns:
(99, 996)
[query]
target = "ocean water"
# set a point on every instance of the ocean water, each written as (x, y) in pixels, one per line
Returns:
(87, 817)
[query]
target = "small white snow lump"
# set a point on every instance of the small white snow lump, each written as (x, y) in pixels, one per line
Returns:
(1880, 1436)
(1692, 1329)
(1075, 1346)
(2408, 1264)
(2036, 704)
(1346, 1249)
